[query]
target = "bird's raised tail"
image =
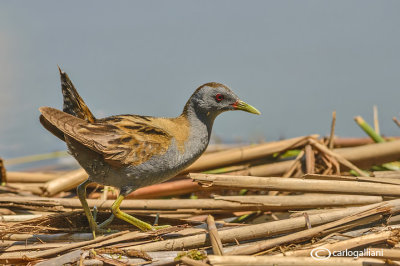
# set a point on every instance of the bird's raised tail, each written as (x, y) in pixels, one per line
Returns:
(73, 105)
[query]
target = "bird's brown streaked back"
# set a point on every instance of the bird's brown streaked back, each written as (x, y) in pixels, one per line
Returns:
(121, 140)
(177, 127)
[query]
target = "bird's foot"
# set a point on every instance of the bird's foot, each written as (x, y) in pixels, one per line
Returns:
(158, 227)
(145, 227)
(105, 231)
(106, 222)
(155, 226)
(96, 229)
(100, 228)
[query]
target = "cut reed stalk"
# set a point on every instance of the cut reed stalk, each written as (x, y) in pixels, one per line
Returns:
(214, 237)
(64, 182)
(227, 204)
(298, 185)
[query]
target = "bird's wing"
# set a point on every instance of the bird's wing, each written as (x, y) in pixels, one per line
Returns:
(122, 140)
(51, 128)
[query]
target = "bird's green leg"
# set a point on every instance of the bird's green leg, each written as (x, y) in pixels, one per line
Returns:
(130, 219)
(106, 222)
(81, 190)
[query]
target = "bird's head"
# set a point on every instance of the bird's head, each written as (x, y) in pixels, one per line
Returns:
(214, 98)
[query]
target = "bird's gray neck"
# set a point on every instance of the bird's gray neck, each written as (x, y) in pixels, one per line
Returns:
(200, 130)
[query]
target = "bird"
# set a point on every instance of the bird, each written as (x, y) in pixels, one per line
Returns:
(132, 151)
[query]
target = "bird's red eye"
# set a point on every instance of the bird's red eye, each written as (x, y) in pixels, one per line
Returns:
(219, 97)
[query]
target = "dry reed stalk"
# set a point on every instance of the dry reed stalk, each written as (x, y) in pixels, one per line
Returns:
(214, 237)
(4, 211)
(68, 237)
(64, 182)
(372, 154)
(352, 142)
(241, 154)
(178, 187)
(363, 156)
(34, 177)
(291, 170)
(310, 159)
(261, 230)
(327, 160)
(269, 169)
(294, 166)
(129, 236)
(63, 248)
(221, 147)
(392, 254)
(387, 174)
(334, 162)
(397, 122)
(35, 188)
(18, 218)
(332, 134)
(376, 120)
(392, 181)
(306, 201)
(305, 234)
(3, 177)
(312, 211)
(17, 247)
(298, 261)
(298, 185)
(172, 188)
(355, 242)
(338, 157)
(393, 220)
(356, 233)
(48, 238)
(370, 220)
(164, 258)
(226, 204)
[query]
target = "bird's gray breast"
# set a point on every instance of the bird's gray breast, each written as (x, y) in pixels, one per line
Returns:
(162, 167)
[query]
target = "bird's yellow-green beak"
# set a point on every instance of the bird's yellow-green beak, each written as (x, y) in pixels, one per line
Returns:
(240, 105)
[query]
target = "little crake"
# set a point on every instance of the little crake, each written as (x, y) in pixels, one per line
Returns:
(133, 151)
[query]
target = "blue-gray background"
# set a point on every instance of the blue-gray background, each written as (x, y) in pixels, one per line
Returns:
(296, 61)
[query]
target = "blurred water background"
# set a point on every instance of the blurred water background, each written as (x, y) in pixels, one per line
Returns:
(296, 61)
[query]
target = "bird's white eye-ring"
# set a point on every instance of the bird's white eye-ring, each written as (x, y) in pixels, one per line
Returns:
(219, 97)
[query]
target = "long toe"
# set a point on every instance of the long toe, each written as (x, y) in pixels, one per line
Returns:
(105, 231)
(106, 222)
(158, 227)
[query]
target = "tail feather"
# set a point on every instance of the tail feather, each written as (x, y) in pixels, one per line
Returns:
(73, 103)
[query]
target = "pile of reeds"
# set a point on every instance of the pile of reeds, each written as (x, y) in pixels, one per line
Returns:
(300, 201)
